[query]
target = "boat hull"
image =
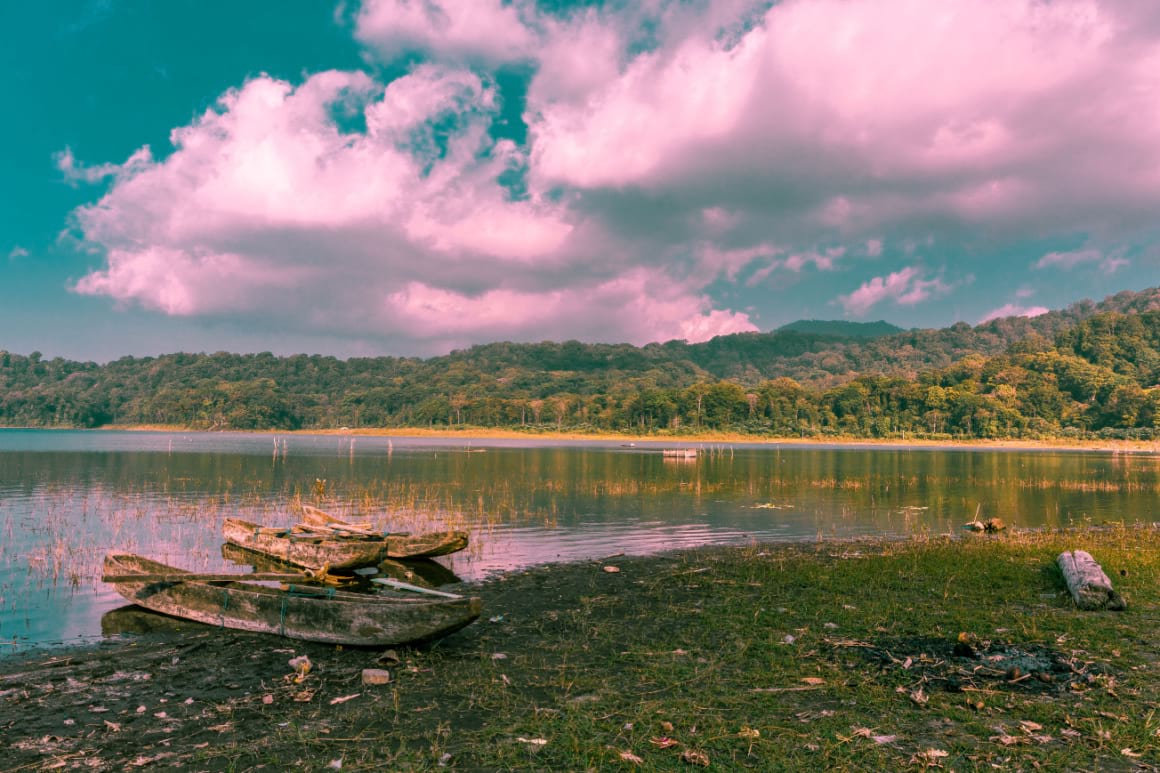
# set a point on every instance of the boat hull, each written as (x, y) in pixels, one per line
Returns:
(426, 545)
(311, 552)
(313, 614)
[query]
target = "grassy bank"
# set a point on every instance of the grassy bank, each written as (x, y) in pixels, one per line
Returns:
(468, 433)
(961, 653)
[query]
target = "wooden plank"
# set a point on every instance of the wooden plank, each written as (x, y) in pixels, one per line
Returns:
(312, 529)
(351, 529)
(400, 585)
(1089, 586)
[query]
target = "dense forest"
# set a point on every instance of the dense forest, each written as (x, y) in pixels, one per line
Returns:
(838, 327)
(1090, 370)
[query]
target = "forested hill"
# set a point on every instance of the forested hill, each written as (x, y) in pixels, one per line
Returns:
(1094, 367)
(841, 328)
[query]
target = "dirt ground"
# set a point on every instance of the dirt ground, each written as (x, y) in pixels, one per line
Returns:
(165, 693)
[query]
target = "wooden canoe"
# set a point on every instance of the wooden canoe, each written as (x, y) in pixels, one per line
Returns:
(298, 612)
(425, 545)
(312, 551)
(420, 571)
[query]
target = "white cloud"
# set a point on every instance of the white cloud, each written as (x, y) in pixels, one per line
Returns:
(268, 212)
(1013, 310)
(662, 310)
(16, 253)
(821, 261)
(79, 173)
(488, 30)
(905, 287)
(671, 148)
(870, 117)
(1067, 261)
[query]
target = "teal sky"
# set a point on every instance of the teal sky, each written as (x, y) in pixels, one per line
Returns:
(405, 177)
(104, 77)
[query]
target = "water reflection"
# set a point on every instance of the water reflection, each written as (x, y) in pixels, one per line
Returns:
(66, 498)
(132, 619)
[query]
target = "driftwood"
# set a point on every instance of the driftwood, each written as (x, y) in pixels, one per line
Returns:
(1087, 582)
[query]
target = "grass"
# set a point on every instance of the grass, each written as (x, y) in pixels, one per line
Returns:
(965, 654)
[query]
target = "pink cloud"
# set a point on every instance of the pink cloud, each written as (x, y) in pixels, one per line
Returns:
(671, 146)
(821, 261)
(730, 261)
(905, 287)
(982, 111)
(661, 309)
(1013, 310)
(490, 30)
(269, 160)
(1070, 260)
(1067, 260)
(77, 173)
(267, 211)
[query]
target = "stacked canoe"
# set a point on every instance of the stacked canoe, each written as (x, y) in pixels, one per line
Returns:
(322, 540)
(294, 604)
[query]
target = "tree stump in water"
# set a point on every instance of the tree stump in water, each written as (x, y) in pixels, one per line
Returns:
(1089, 586)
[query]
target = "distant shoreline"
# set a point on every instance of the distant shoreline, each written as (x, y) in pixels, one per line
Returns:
(486, 433)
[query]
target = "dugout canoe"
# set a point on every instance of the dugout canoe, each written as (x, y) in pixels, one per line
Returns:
(425, 545)
(420, 571)
(307, 549)
(300, 612)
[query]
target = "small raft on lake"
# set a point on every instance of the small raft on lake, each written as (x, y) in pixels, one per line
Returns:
(297, 611)
(426, 545)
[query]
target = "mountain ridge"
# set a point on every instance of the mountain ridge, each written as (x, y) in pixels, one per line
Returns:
(841, 328)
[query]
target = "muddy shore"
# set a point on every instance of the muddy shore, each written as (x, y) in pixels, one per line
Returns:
(167, 693)
(871, 655)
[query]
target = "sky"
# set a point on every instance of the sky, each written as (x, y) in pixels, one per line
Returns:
(408, 177)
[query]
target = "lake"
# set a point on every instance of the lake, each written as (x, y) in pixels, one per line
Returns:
(68, 497)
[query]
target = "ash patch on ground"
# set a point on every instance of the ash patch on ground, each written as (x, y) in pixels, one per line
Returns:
(965, 663)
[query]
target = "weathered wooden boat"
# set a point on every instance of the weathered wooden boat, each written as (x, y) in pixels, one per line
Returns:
(425, 545)
(296, 611)
(420, 571)
(311, 550)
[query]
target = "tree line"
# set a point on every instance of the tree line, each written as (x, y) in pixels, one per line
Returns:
(1098, 376)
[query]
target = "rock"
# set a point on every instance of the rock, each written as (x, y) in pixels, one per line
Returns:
(376, 676)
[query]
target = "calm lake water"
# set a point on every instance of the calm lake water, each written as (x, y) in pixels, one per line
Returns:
(68, 497)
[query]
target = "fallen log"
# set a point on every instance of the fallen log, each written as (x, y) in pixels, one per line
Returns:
(1089, 586)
